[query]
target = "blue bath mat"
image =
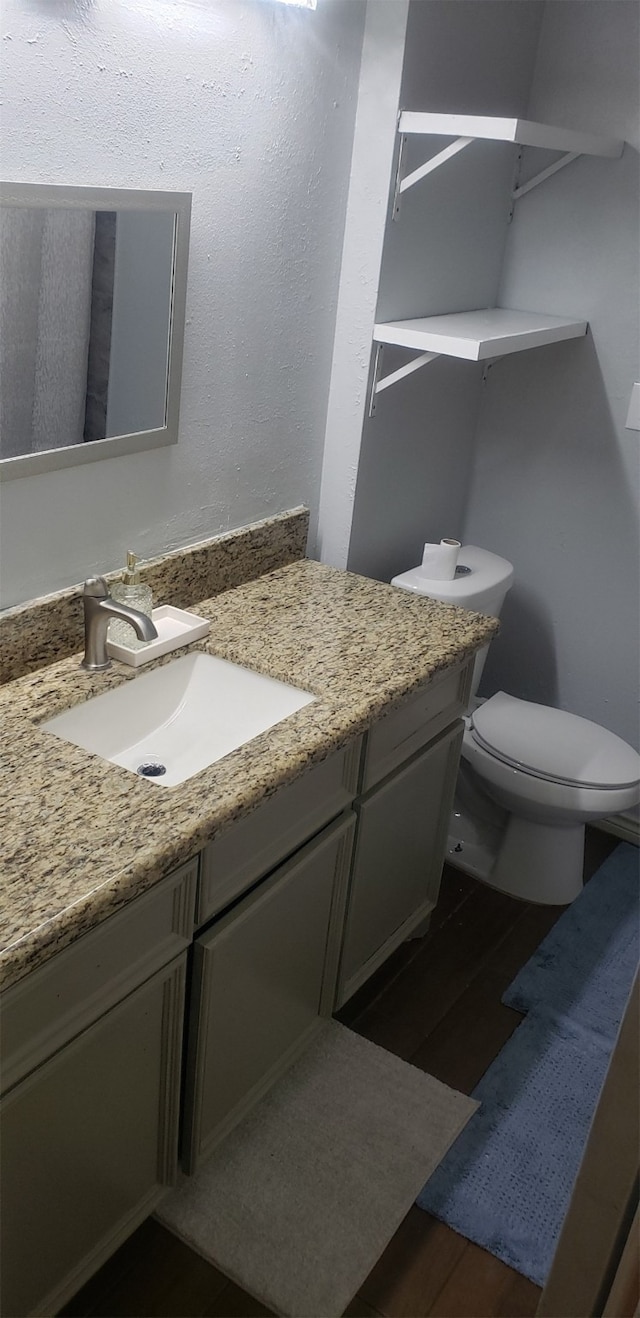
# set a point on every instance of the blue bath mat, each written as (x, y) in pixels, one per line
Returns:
(584, 967)
(507, 1180)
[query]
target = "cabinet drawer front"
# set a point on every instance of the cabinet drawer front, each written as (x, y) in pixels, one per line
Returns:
(398, 855)
(402, 732)
(252, 846)
(89, 1141)
(257, 987)
(74, 988)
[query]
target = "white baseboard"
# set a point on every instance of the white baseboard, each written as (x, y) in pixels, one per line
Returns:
(626, 827)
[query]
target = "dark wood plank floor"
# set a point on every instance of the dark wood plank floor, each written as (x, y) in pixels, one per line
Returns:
(435, 1003)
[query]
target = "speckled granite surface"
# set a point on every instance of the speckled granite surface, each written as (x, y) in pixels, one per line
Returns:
(44, 630)
(82, 836)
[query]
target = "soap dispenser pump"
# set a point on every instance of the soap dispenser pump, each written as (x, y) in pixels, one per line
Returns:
(130, 590)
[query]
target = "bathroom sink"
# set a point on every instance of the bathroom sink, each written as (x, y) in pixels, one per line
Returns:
(172, 722)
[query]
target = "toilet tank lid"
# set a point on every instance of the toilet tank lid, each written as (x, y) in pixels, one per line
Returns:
(554, 744)
(486, 571)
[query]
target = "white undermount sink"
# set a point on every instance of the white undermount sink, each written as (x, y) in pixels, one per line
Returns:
(170, 723)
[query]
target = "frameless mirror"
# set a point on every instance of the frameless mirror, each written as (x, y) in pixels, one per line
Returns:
(92, 306)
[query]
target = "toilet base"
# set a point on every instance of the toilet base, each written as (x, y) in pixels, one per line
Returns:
(476, 827)
(470, 857)
(473, 855)
(535, 862)
(540, 862)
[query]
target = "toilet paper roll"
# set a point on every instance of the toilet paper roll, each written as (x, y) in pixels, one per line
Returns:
(439, 561)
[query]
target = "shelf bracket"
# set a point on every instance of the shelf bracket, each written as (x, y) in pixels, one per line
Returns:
(522, 188)
(487, 364)
(403, 184)
(378, 384)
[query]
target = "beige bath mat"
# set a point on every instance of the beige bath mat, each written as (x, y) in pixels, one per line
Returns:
(298, 1203)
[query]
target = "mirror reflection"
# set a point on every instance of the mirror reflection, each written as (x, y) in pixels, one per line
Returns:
(85, 324)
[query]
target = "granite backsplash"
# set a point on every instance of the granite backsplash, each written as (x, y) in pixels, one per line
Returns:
(42, 631)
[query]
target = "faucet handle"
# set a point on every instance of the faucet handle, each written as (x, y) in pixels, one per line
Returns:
(96, 587)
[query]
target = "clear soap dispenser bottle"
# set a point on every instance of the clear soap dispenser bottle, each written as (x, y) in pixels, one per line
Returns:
(132, 591)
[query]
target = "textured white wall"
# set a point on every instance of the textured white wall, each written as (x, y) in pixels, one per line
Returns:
(249, 105)
(556, 480)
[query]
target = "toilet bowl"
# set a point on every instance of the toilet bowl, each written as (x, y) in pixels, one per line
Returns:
(530, 777)
(553, 772)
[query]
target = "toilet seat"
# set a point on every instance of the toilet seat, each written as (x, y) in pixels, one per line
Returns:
(553, 745)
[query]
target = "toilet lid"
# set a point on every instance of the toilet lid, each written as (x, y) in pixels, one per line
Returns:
(550, 743)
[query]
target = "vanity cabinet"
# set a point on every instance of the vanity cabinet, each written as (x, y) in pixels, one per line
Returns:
(91, 1062)
(398, 859)
(303, 939)
(284, 915)
(408, 781)
(263, 974)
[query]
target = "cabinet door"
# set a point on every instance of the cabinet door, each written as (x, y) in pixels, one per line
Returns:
(89, 1140)
(401, 836)
(257, 988)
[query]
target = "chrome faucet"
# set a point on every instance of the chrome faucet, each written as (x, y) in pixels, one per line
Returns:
(99, 608)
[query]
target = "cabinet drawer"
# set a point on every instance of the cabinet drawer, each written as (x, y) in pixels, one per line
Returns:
(74, 988)
(402, 732)
(252, 846)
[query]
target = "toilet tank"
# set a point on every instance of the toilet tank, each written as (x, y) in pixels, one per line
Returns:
(481, 583)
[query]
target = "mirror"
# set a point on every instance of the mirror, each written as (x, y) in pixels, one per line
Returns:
(92, 306)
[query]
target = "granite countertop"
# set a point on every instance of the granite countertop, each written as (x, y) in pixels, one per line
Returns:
(83, 836)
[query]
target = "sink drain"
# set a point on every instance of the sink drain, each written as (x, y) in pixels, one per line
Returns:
(151, 769)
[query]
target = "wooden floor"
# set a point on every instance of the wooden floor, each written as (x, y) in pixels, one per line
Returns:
(436, 1003)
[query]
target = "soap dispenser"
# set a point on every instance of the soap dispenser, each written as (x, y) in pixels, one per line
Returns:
(130, 590)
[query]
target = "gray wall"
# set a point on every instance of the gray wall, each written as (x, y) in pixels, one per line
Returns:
(374, 143)
(249, 105)
(444, 253)
(555, 481)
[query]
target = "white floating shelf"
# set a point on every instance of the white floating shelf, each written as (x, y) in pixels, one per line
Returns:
(476, 335)
(521, 131)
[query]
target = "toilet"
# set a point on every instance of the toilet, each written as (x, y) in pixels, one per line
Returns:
(530, 776)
